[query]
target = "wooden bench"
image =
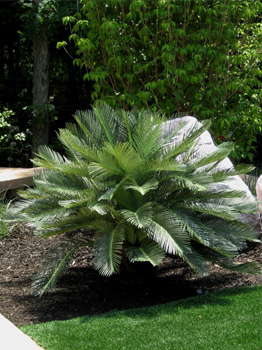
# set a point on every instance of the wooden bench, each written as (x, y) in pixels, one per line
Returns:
(12, 179)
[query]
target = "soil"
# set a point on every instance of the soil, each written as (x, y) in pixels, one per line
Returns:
(82, 291)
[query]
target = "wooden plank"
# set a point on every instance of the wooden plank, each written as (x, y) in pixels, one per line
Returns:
(14, 178)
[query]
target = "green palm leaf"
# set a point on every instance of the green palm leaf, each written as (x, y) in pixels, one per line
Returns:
(220, 153)
(207, 235)
(147, 135)
(216, 258)
(178, 147)
(56, 263)
(148, 186)
(147, 251)
(110, 122)
(77, 147)
(52, 160)
(90, 127)
(216, 209)
(53, 224)
(197, 262)
(125, 156)
(141, 218)
(107, 253)
(167, 232)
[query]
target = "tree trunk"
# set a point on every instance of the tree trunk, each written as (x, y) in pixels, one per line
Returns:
(40, 127)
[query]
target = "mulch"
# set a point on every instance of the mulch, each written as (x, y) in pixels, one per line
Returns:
(82, 291)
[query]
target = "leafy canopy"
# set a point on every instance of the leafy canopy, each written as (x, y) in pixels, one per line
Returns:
(199, 57)
(124, 183)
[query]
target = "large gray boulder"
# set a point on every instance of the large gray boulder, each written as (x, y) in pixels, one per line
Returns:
(204, 146)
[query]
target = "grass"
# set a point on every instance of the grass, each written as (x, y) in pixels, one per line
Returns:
(230, 319)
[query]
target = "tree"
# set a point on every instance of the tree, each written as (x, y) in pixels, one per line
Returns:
(40, 84)
(21, 22)
(196, 57)
(123, 183)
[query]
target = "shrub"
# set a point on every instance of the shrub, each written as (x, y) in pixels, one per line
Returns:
(124, 183)
(5, 229)
(195, 57)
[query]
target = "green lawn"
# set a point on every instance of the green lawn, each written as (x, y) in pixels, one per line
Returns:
(230, 319)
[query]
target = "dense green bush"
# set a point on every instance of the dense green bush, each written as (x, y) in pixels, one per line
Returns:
(196, 57)
(123, 183)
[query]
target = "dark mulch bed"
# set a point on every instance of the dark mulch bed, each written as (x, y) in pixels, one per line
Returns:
(82, 291)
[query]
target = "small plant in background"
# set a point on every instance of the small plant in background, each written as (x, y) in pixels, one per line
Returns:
(3, 225)
(15, 148)
(123, 183)
(5, 228)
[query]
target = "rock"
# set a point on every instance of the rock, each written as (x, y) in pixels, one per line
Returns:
(259, 195)
(204, 146)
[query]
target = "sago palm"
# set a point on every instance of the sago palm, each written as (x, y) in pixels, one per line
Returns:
(138, 195)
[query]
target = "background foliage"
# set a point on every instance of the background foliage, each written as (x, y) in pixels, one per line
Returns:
(201, 58)
(196, 57)
(68, 91)
(14, 143)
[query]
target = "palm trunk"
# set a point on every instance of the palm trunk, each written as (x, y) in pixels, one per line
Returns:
(137, 273)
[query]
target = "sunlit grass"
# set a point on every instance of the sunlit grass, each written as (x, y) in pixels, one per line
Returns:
(231, 319)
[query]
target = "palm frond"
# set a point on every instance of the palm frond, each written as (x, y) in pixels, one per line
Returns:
(109, 191)
(48, 158)
(168, 233)
(56, 263)
(90, 127)
(208, 235)
(187, 181)
(229, 264)
(147, 251)
(52, 160)
(218, 154)
(67, 184)
(106, 167)
(104, 209)
(177, 147)
(166, 140)
(125, 199)
(126, 157)
(129, 122)
(196, 262)
(236, 232)
(50, 225)
(147, 136)
(77, 147)
(184, 195)
(107, 253)
(162, 165)
(217, 209)
(148, 186)
(141, 218)
(111, 123)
